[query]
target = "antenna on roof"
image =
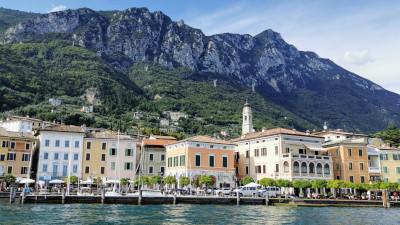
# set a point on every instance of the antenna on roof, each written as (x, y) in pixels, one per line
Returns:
(325, 126)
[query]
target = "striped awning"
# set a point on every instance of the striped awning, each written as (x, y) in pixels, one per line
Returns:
(315, 147)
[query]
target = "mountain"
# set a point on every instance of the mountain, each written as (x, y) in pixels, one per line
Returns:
(313, 88)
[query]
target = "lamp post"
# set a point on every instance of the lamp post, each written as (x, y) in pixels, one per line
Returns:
(161, 175)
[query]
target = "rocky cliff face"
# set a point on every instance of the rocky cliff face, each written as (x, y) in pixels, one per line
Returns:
(264, 62)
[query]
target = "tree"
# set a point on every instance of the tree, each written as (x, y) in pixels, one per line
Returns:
(73, 179)
(154, 180)
(207, 180)
(143, 180)
(317, 184)
(9, 178)
(247, 180)
(184, 181)
(392, 135)
(284, 183)
(169, 180)
(334, 184)
(267, 182)
(124, 182)
(97, 181)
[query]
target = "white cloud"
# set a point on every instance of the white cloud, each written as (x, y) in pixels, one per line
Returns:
(357, 57)
(58, 8)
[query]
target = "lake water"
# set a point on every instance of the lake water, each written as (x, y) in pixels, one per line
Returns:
(191, 214)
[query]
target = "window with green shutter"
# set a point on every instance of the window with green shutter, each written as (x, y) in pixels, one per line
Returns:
(385, 169)
(198, 160)
(398, 170)
(112, 165)
(212, 161)
(113, 151)
(225, 161)
(182, 163)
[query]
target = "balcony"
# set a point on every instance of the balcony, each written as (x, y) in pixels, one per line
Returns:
(303, 156)
(310, 175)
(374, 170)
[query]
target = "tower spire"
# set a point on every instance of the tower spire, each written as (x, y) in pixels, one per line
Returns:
(247, 126)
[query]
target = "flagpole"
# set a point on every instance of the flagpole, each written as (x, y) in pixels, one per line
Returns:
(69, 165)
(190, 176)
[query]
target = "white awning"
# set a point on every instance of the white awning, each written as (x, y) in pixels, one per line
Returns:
(315, 147)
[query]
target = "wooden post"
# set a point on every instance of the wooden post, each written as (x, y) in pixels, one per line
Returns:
(387, 199)
(237, 198)
(63, 196)
(267, 199)
(23, 195)
(140, 197)
(175, 198)
(12, 195)
(103, 195)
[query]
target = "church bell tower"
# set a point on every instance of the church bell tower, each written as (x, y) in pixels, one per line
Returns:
(247, 126)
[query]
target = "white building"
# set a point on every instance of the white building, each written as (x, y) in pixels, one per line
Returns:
(87, 109)
(17, 126)
(61, 147)
(164, 122)
(55, 101)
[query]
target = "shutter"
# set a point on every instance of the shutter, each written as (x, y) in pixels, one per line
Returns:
(126, 152)
(126, 165)
(131, 166)
(110, 151)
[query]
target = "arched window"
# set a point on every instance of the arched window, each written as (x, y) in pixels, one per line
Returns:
(311, 166)
(286, 167)
(245, 118)
(319, 168)
(304, 167)
(326, 169)
(296, 167)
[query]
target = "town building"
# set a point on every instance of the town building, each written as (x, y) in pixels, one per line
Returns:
(280, 153)
(5, 143)
(390, 163)
(164, 122)
(55, 101)
(154, 154)
(374, 164)
(61, 150)
(25, 124)
(201, 155)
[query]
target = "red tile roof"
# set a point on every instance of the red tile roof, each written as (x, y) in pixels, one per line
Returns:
(157, 142)
(206, 139)
(272, 132)
(64, 128)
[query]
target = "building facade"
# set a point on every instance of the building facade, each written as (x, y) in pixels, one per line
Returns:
(154, 155)
(374, 163)
(94, 162)
(201, 155)
(60, 147)
(390, 163)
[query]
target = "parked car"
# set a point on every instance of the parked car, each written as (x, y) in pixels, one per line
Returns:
(272, 191)
(235, 191)
(249, 190)
(223, 191)
(211, 190)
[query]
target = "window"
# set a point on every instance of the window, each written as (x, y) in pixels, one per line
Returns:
(65, 170)
(247, 169)
(55, 170)
(327, 169)
(27, 146)
(87, 169)
(337, 152)
(276, 150)
(384, 157)
(337, 166)
(128, 166)
(11, 157)
(65, 156)
(351, 179)
(103, 157)
(350, 166)
(225, 161)
(248, 154)
(26, 157)
(88, 145)
(277, 167)
(57, 143)
(198, 160)
(55, 156)
(162, 169)
(2, 157)
(349, 152)
(212, 160)
(66, 144)
(76, 144)
(304, 167)
(76, 156)
(44, 168)
(103, 146)
(113, 151)
(211, 146)
(287, 150)
(24, 170)
(182, 160)
(45, 155)
(87, 156)
(175, 161)
(9, 169)
(264, 151)
(12, 145)
(150, 169)
(112, 165)
(337, 177)
(4, 144)
(162, 157)
(360, 152)
(296, 167)
(169, 161)
(398, 170)
(258, 169)
(361, 166)
(286, 167)
(256, 152)
(102, 170)
(264, 167)
(302, 151)
(396, 156)
(385, 169)
(386, 180)
(128, 152)
(75, 168)
(47, 143)
(237, 170)
(311, 168)
(151, 157)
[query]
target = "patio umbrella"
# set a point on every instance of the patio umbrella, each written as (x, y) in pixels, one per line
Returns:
(26, 181)
(56, 182)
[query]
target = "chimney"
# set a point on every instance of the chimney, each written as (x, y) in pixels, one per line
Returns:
(263, 129)
(388, 144)
(294, 131)
(308, 132)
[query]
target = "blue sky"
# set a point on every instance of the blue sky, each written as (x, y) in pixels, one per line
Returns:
(361, 36)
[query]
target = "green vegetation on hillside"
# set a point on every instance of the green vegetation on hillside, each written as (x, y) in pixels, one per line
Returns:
(9, 17)
(391, 135)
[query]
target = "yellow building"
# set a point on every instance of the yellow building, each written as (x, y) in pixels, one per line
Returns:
(5, 143)
(390, 163)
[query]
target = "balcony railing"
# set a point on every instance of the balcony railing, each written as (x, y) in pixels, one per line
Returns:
(374, 169)
(309, 175)
(303, 156)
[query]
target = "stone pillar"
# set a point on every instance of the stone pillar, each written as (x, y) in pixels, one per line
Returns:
(267, 199)
(175, 198)
(140, 197)
(64, 191)
(103, 195)
(237, 198)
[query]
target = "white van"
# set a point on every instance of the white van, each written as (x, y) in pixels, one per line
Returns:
(248, 190)
(272, 192)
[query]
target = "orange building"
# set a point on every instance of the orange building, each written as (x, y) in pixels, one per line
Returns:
(350, 160)
(201, 155)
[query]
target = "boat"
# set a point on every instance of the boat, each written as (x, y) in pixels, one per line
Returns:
(146, 193)
(85, 191)
(113, 192)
